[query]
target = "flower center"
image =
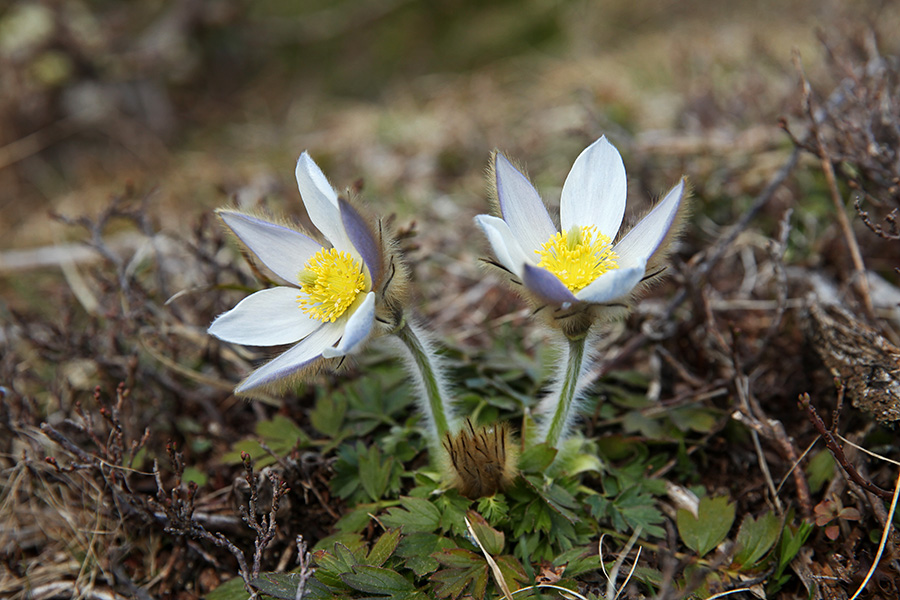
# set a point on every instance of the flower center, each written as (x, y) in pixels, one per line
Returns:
(329, 284)
(578, 256)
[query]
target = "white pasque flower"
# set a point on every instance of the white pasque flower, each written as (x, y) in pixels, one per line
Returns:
(327, 307)
(580, 263)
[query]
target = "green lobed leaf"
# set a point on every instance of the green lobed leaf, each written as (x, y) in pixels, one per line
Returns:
(637, 422)
(490, 538)
(453, 509)
(512, 570)
(383, 548)
(417, 549)
(693, 418)
(459, 558)
(233, 589)
(375, 472)
(792, 539)
(281, 434)
(537, 458)
(756, 537)
(714, 519)
(417, 515)
(328, 415)
(494, 508)
(468, 572)
(278, 585)
(377, 580)
(819, 470)
(331, 565)
(357, 519)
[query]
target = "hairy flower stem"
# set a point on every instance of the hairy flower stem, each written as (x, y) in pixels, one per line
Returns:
(564, 404)
(427, 371)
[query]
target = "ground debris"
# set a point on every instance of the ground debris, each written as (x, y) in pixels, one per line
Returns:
(867, 363)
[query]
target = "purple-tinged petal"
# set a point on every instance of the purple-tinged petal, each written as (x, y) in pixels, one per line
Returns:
(359, 326)
(521, 206)
(294, 359)
(360, 235)
(281, 249)
(269, 317)
(547, 286)
(595, 190)
(506, 247)
(612, 284)
(641, 242)
(321, 202)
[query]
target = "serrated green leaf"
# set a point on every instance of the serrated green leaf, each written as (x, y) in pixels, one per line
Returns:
(637, 422)
(196, 475)
(459, 558)
(557, 498)
(417, 515)
(792, 539)
(490, 538)
(331, 565)
(512, 570)
(820, 470)
(257, 453)
(470, 576)
(453, 509)
(616, 448)
(537, 458)
(494, 508)
(328, 415)
(578, 560)
(383, 548)
(353, 541)
(278, 585)
(281, 434)
(316, 590)
(693, 418)
(233, 589)
(714, 519)
(450, 583)
(377, 580)
(375, 472)
(417, 549)
(755, 537)
(357, 519)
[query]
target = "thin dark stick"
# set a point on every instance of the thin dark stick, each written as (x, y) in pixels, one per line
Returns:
(838, 452)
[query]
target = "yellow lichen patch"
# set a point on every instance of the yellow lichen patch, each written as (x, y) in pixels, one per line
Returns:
(330, 283)
(578, 256)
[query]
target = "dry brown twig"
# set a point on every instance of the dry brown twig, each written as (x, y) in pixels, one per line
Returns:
(837, 451)
(826, 161)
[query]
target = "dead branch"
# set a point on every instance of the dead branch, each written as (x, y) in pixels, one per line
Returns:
(837, 451)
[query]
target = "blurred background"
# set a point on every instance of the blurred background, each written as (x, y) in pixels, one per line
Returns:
(206, 102)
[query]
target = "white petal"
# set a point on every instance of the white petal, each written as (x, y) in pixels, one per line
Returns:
(521, 206)
(506, 247)
(360, 235)
(595, 190)
(321, 203)
(283, 250)
(612, 284)
(359, 325)
(267, 318)
(642, 241)
(294, 359)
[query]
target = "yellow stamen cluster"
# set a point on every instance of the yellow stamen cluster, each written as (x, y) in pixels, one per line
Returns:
(578, 256)
(329, 284)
